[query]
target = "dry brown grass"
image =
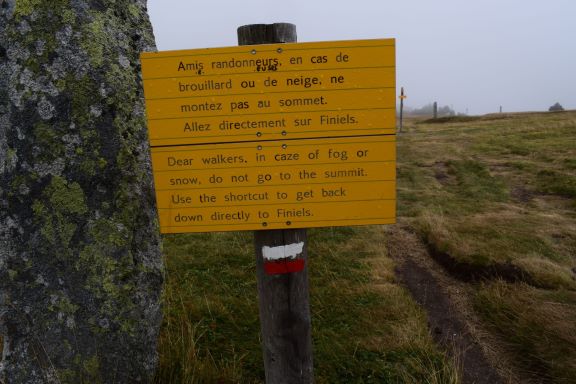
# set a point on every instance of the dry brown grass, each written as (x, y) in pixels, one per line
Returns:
(495, 191)
(538, 325)
(502, 192)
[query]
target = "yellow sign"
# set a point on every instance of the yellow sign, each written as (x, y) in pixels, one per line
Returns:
(300, 215)
(273, 136)
(284, 82)
(268, 91)
(274, 105)
(236, 128)
(269, 58)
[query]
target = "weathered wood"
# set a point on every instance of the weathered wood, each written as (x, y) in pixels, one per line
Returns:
(284, 313)
(266, 34)
(401, 107)
(283, 298)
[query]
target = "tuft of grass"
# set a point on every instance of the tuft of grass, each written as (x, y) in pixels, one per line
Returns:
(546, 273)
(210, 332)
(557, 183)
(474, 181)
(438, 372)
(359, 311)
(498, 237)
(570, 163)
(185, 360)
(537, 324)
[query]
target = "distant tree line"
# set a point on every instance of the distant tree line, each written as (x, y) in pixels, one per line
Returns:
(428, 110)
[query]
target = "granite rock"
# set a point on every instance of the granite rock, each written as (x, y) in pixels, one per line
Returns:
(80, 264)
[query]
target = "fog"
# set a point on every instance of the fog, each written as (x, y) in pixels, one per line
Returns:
(471, 56)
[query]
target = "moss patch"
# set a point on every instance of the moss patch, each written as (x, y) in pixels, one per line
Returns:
(59, 210)
(26, 7)
(95, 39)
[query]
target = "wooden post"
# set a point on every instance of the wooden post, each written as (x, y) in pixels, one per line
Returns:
(282, 284)
(402, 97)
(435, 110)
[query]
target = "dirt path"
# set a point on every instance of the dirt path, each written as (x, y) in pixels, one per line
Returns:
(450, 315)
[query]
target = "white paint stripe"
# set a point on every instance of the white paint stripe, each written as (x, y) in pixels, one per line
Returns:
(282, 251)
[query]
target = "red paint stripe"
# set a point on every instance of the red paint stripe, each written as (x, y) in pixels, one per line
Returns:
(283, 266)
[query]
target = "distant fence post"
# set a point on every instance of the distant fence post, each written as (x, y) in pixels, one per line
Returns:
(402, 97)
(282, 284)
(435, 110)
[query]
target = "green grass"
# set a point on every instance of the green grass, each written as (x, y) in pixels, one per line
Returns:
(538, 324)
(555, 182)
(366, 329)
(474, 181)
(498, 191)
(495, 190)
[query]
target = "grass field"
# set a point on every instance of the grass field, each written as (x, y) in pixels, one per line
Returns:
(494, 197)
(499, 191)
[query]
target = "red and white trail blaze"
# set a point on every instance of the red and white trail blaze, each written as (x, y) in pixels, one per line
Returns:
(283, 259)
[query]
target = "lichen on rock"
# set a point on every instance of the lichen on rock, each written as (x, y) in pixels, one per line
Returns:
(80, 266)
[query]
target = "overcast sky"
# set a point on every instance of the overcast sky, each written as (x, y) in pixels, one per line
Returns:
(471, 55)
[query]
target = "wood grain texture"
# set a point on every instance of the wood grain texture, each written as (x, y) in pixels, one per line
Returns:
(266, 34)
(283, 298)
(284, 313)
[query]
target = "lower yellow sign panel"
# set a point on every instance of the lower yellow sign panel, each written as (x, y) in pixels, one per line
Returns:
(279, 216)
(277, 184)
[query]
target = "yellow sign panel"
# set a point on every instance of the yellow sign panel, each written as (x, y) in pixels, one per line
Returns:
(269, 58)
(273, 105)
(233, 128)
(298, 215)
(339, 191)
(261, 177)
(273, 136)
(279, 82)
(353, 150)
(231, 94)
